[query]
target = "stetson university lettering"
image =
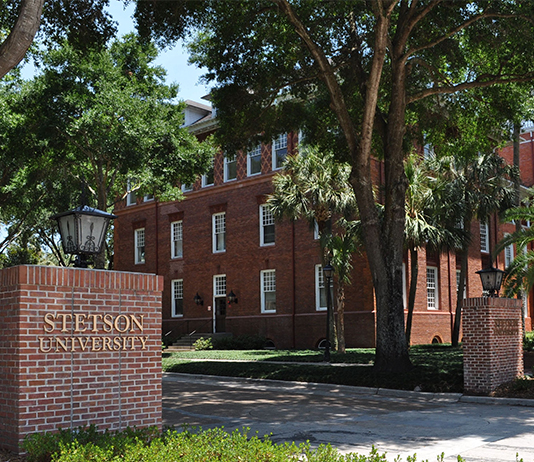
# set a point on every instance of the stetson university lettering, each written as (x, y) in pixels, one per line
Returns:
(91, 332)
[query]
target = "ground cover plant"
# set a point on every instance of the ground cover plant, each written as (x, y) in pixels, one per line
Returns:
(437, 368)
(190, 445)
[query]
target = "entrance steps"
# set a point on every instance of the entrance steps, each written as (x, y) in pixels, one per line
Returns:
(187, 341)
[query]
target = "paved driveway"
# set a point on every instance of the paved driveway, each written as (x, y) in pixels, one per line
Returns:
(353, 419)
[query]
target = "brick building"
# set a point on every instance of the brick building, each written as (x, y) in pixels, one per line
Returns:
(221, 240)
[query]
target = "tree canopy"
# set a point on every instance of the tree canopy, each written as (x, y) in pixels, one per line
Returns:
(99, 119)
(362, 78)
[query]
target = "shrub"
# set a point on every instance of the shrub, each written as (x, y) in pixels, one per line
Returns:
(87, 444)
(242, 342)
(203, 344)
(528, 341)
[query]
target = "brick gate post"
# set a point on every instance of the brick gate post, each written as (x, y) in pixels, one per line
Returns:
(78, 347)
(492, 343)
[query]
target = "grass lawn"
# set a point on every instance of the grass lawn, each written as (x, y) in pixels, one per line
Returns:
(437, 368)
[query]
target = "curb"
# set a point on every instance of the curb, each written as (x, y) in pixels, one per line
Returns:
(344, 390)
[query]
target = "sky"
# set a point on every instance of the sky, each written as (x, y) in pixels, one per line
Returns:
(174, 61)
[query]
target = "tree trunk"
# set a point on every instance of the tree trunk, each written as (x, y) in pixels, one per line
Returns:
(341, 318)
(414, 271)
(16, 45)
(460, 296)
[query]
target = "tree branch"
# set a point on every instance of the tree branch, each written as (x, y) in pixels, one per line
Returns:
(16, 45)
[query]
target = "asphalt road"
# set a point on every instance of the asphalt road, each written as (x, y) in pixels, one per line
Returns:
(353, 419)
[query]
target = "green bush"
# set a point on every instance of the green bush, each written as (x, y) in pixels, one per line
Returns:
(242, 342)
(191, 445)
(203, 344)
(528, 341)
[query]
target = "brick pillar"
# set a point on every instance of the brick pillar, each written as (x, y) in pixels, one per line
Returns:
(492, 343)
(78, 347)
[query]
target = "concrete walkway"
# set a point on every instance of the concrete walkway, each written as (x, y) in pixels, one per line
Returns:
(353, 419)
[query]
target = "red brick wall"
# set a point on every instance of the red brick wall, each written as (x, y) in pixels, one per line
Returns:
(78, 347)
(492, 343)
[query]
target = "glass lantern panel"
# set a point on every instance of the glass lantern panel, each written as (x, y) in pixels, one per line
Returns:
(91, 232)
(67, 228)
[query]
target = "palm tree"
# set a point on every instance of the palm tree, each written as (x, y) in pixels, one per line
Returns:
(423, 226)
(315, 187)
(519, 276)
(472, 187)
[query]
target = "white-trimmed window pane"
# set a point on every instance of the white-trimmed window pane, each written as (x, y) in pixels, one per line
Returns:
(219, 232)
(177, 242)
(508, 254)
(187, 187)
(177, 298)
(279, 151)
(131, 198)
(139, 245)
(267, 227)
(484, 237)
(209, 178)
(254, 161)
(219, 285)
(432, 288)
(320, 289)
(268, 291)
(458, 284)
(230, 168)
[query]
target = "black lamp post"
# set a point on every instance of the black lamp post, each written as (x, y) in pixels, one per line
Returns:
(328, 272)
(232, 298)
(83, 232)
(491, 280)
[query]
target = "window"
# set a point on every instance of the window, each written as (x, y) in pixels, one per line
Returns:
(254, 161)
(177, 309)
(219, 232)
(268, 291)
(315, 229)
(508, 254)
(131, 197)
(230, 168)
(458, 284)
(148, 197)
(208, 179)
(484, 237)
(187, 187)
(267, 234)
(279, 151)
(432, 288)
(219, 285)
(320, 289)
(139, 238)
(177, 250)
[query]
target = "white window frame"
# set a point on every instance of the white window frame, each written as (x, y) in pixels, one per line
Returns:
(267, 283)
(177, 293)
(227, 161)
(458, 284)
(131, 197)
(205, 183)
(279, 143)
(484, 237)
(219, 285)
(315, 230)
(320, 286)
(177, 235)
(187, 187)
(508, 253)
(218, 228)
(266, 219)
(139, 243)
(254, 152)
(432, 293)
(148, 197)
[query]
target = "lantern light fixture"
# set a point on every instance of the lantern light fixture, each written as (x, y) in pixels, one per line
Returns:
(198, 299)
(83, 231)
(232, 298)
(491, 280)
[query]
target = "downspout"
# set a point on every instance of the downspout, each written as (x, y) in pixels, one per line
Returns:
(450, 290)
(293, 316)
